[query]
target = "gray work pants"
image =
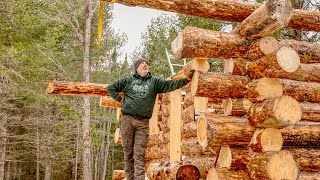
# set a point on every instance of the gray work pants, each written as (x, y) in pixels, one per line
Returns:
(134, 137)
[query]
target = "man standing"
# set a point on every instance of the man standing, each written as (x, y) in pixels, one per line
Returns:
(140, 91)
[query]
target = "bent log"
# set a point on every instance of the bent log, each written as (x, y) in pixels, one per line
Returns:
(225, 10)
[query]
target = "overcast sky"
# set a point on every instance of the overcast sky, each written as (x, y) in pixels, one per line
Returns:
(133, 21)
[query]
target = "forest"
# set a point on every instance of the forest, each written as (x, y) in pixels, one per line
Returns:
(50, 137)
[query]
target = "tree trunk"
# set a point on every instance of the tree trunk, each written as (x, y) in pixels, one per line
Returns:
(308, 51)
(264, 140)
(236, 107)
(224, 173)
(77, 88)
(3, 144)
(264, 88)
(48, 171)
(86, 156)
(195, 42)
(268, 18)
(273, 165)
(218, 85)
(302, 135)
(310, 111)
(307, 158)
(118, 174)
(190, 148)
(225, 10)
(108, 101)
(276, 112)
(212, 130)
(301, 91)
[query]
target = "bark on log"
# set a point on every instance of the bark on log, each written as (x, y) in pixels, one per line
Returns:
(118, 174)
(309, 175)
(306, 158)
(201, 65)
(108, 101)
(195, 42)
(268, 18)
(155, 139)
(159, 151)
(188, 115)
(224, 173)
(264, 88)
(234, 159)
(264, 140)
(216, 130)
(308, 51)
(202, 163)
(189, 130)
(218, 85)
(264, 46)
(236, 107)
(117, 136)
(77, 88)
(225, 10)
(190, 148)
(301, 91)
(276, 112)
(174, 171)
(273, 165)
(310, 111)
(303, 135)
(236, 66)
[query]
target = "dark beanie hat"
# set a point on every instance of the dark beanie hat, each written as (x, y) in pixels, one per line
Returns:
(138, 62)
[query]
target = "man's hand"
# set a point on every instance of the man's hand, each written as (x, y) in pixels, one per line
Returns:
(190, 74)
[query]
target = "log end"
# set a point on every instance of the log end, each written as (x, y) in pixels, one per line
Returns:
(288, 59)
(228, 66)
(224, 159)
(271, 140)
(268, 45)
(50, 88)
(212, 174)
(282, 166)
(194, 83)
(188, 171)
(268, 88)
(176, 46)
(287, 110)
(202, 132)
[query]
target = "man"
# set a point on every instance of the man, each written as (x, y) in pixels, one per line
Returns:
(140, 91)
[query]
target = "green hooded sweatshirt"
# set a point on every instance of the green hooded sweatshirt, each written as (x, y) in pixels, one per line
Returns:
(140, 93)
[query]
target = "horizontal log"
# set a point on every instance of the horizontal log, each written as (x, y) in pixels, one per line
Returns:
(233, 159)
(276, 112)
(190, 148)
(310, 111)
(264, 140)
(159, 151)
(304, 175)
(236, 107)
(201, 65)
(77, 88)
(202, 163)
(273, 165)
(189, 130)
(268, 18)
(216, 130)
(306, 158)
(155, 139)
(303, 134)
(301, 91)
(264, 46)
(225, 10)
(264, 88)
(108, 101)
(218, 85)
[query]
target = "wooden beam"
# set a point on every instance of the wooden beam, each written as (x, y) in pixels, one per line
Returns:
(153, 122)
(225, 10)
(201, 65)
(108, 101)
(268, 18)
(175, 123)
